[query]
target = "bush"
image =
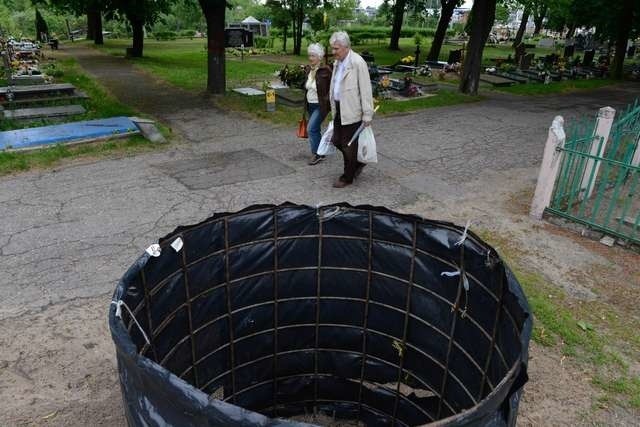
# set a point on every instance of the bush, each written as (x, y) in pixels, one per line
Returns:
(187, 33)
(260, 42)
(165, 35)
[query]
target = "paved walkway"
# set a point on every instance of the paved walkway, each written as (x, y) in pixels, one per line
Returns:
(71, 232)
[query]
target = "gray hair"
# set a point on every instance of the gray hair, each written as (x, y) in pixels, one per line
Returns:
(316, 49)
(340, 37)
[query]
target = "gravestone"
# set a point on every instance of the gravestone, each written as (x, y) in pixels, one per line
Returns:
(455, 56)
(588, 57)
(249, 91)
(569, 50)
(547, 43)
(631, 52)
(238, 37)
(368, 57)
(520, 52)
(44, 112)
(526, 61)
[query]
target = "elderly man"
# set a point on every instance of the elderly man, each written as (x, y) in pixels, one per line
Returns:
(351, 103)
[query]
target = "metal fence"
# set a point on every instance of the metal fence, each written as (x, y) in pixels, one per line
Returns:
(597, 184)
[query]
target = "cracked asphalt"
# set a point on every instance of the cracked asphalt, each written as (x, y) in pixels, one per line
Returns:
(71, 232)
(68, 234)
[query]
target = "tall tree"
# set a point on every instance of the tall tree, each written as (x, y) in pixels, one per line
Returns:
(141, 13)
(539, 13)
(523, 26)
(42, 30)
(279, 19)
(628, 12)
(483, 15)
(93, 9)
(398, 17)
(446, 12)
(214, 12)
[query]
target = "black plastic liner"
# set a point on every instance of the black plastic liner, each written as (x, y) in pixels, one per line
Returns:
(355, 312)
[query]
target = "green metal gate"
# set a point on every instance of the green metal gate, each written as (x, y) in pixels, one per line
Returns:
(600, 187)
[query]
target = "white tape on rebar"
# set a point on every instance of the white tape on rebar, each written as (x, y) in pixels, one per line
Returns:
(177, 244)
(154, 250)
(119, 304)
(464, 234)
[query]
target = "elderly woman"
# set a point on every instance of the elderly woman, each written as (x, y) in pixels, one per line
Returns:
(316, 97)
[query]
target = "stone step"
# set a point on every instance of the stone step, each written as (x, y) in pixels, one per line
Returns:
(30, 91)
(44, 112)
(75, 96)
(496, 81)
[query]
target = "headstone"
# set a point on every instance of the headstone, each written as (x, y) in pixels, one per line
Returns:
(148, 129)
(455, 56)
(520, 52)
(368, 57)
(588, 57)
(238, 37)
(249, 91)
(44, 112)
(569, 50)
(631, 52)
(526, 61)
(547, 43)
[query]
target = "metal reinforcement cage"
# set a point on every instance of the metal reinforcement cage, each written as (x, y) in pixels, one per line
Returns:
(360, 313)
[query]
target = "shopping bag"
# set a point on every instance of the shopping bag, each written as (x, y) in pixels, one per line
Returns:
(326, 148)
(302, 127)
(367, 146)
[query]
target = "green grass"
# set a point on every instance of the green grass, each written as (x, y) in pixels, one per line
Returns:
(442, 98)
(585, 332)
(100, 104)
(19, 161)
(183, 63)
(535, 89)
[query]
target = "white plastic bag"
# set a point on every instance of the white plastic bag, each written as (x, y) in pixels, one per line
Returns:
(367, 146)
(326, 148)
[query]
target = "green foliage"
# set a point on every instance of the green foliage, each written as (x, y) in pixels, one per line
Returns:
(165, 35)
(263, 42)
(292, 76)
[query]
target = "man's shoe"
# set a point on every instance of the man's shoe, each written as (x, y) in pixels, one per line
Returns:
(315, 160)
(340, 184)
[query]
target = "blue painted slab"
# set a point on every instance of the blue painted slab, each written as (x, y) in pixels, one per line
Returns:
(68, 132)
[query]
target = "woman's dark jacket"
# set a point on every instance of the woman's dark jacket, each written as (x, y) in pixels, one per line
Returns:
(323, 82)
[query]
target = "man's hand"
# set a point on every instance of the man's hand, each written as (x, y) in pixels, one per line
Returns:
(366, 124)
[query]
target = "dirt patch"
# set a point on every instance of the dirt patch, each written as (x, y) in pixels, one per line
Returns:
(57, 367)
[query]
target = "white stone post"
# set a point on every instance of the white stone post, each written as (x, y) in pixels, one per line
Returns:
(602, 130)
(548, 169)
(636, 156)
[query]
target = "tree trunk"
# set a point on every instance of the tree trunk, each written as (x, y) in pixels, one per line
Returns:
(571, 31)
(284, 38)
(398, 15)
(91, 24)
(98, 38)
(298, 20)
(214, 11)
(538, 19)
(443, 24)
(484, 13)
(137, 27)
(523, 27)
(625, 24)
